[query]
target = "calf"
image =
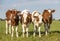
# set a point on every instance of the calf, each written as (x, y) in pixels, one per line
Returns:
(12, 20)
(47, 19)
(25, 21)
(37, 21)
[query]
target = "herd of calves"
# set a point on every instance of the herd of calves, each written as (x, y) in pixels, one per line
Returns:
(25, 17)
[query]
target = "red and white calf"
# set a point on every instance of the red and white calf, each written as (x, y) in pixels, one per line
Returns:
(12, 20)
(47, 19)
(25, 21)
(37, 21)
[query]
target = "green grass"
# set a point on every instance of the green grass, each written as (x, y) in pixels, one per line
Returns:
(53, 36)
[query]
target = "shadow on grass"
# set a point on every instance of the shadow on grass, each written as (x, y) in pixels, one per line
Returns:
(43, 33)
(37, 33)
(20, 33)
(55, 32)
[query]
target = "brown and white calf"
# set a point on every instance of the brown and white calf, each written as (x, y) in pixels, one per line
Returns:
(47, 19)
(12, 20)
(37, 21)
(25, 20)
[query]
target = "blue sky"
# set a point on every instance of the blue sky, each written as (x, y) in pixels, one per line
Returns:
(32, 5)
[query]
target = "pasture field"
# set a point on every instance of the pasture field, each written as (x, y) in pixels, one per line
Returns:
(53, 36)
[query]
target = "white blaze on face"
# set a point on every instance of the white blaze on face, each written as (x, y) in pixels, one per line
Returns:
(36, 14)
(25, 12)
(40, 18)
(33, 13)
(11, 16)
(49, 11)
(32, 17)
(24, 16)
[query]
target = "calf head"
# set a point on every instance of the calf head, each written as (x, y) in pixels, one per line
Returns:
(35, 16)
(25, 17)
(14, 17)
(47, 15)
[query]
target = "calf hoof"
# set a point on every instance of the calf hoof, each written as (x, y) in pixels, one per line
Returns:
(11, 35)
(27, 36)
(23, 36)
(17, 36)
(9, 32)
(33, 35)
(39, 35)
(6, 33)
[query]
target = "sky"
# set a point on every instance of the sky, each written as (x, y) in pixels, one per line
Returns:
(31, 5)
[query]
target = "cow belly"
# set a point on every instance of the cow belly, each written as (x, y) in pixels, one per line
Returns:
(24, 25)
(14, 23)
(9, 21)
(36, 23)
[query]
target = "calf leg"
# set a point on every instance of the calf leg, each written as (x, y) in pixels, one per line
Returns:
(27, 31)
(39, 31)
(12, 31)
(23, 30)
(16, 31)
(9, 29)
(46, 29)
(6, 27)
(34, 30)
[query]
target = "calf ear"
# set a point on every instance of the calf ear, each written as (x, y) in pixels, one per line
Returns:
(45, 10)
(20, 15)
(18, 11)
(53, 10)
(10, 11)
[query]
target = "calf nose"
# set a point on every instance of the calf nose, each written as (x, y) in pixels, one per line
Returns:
(24, 22)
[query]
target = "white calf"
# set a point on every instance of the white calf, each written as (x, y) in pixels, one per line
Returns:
(37, 21)
(25, 21)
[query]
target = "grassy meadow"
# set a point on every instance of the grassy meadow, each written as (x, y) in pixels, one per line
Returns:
(53, 36)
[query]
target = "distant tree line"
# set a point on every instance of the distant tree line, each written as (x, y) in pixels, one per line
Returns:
(57, 20)
(5, 19)
(54, 19)
(2, 19)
